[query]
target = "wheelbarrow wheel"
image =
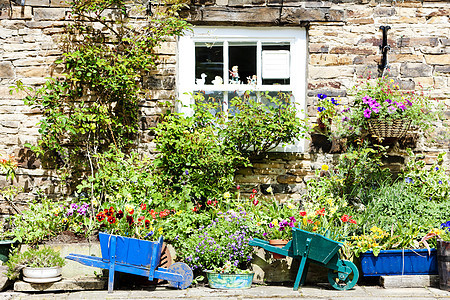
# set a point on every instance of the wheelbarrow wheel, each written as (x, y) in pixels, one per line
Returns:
(184, 270)
(344, 280)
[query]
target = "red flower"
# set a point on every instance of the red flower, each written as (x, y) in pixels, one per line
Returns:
(143, 206)
(195, 209)
(119, 214)
(209, 202)
(141, 218)
(147, 223)
(321, 212)
(252, 196)
(164, 213)
(111, 220)
(310, 221)
(255, 202)
(352, 221)
(238, 187)
(254, 191)
(303, 213)
(345, 218)
(131, 211)
(153, 213)
(100, 216)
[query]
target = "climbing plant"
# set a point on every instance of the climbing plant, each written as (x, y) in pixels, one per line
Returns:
(93, 100)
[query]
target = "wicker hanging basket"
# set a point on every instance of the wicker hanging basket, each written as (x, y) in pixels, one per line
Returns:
(388, 128)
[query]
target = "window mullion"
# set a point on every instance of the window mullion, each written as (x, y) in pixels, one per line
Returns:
(258, 63)
(225, 63)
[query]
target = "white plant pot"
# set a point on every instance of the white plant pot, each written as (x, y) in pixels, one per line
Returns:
(41, 275)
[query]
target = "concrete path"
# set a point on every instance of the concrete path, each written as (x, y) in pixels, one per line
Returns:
(256, 292)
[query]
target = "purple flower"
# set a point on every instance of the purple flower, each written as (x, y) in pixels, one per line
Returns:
(73, 206)
(334, 101)
(265, 234)
(391, 109)
(367, 113)
(437, 168)
(345, 118)
(440, 181)
(409, 102)
(375, 110)
(401, 105)
(186, 172)
(409, 180)
(69, 212)
(322, 96)
(271, 225)
(321, 109)
(292, 219)
(388, 101)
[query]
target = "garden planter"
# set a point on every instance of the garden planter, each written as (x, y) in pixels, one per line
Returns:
(229, 281)
(388, 129)
(399, 262)
(443, 259)
(128, 251)
(41, 275)
(279, 244)
(5, 248)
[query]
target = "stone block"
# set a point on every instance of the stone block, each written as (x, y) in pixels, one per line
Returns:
(80, 284)
(225, 15)
(60, 3)
(415, 70)
(6, 70)
(409, 281)
(21, 12)
(295, 15)
(38, 2)
(440, 59)
(54, 14)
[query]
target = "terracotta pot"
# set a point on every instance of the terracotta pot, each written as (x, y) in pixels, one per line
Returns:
(279, 244)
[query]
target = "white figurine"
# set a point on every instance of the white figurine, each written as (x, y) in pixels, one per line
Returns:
(217, 80)
(251, 80)
(202, 80)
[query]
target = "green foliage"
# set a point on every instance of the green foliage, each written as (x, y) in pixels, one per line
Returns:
(94, 103)
(44, 257)
(194, 164)
(46, 219)
(120, 179)
(431, 182)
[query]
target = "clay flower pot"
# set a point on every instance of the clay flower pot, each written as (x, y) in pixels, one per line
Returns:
(279, 244)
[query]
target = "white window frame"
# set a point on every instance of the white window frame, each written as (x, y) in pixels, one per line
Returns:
(296, 36)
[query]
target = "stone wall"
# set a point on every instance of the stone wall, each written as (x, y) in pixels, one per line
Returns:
(343, 35)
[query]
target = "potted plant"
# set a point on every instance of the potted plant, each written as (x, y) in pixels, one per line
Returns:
(229, 277)
(42, 265)
(386, 111)
(221, 248)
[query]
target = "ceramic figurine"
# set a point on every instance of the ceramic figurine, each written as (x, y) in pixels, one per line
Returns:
(251, 80)
(234, 75)
(217, 80)
(201, 81)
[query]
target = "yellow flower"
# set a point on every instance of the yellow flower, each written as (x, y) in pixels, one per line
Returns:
(275, 222)
(227, 195)
(65, 220)
(330, 201)
(94, 202)
(160, 230)
(291, 206)
(128, 208)
(325, 167)
(269, 189)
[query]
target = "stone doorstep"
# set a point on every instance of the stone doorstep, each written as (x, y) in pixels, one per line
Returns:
(72, 284)
(409, 281)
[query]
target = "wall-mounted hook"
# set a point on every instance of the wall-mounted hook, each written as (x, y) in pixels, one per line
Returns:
(384, 47)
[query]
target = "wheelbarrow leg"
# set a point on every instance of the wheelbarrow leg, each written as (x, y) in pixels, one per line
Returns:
(112, 263)
(303, 263)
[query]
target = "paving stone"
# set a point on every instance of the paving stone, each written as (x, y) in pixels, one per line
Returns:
(80, 284)
(409, 281)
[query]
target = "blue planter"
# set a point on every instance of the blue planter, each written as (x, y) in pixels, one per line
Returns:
(399, 262)
(128, 251)
(229, 281)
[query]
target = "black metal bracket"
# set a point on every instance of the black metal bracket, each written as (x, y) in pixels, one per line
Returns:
(384, 47)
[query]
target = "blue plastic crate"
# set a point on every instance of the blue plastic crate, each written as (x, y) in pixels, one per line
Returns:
(400, 262)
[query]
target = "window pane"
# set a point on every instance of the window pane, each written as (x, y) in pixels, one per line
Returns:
(208, 61)
(215, 98)
(232, 110)
(242, 55)
(276, 63)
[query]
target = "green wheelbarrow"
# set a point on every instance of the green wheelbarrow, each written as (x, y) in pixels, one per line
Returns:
(311, 247)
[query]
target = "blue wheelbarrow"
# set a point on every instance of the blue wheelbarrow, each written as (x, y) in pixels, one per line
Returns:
(137, 257)
(311, 247)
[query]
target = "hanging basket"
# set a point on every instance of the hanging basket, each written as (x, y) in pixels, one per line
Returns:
(388, 128)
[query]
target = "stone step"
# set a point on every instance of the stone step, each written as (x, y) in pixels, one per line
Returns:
(409, 281)
(71, 284)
